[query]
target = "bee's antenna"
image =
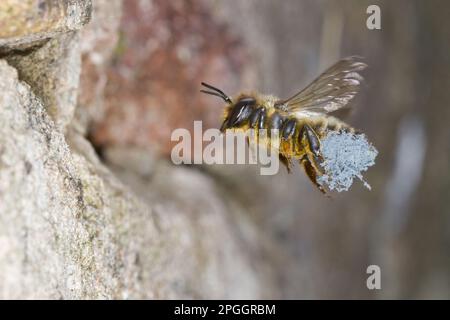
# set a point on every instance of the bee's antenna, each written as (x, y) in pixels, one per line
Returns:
(214, 94)
(217, 92)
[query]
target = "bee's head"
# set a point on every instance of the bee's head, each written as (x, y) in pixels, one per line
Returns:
(237, 112)
(216, 92)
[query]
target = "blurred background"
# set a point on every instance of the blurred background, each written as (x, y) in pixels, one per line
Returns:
(142, 81)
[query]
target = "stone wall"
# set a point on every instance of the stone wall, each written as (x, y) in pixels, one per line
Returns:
(68, 228)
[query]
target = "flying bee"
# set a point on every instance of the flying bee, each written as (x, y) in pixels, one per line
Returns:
(302, 120)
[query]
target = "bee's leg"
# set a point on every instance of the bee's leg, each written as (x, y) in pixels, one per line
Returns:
(287, 162)
(311, 173)
(313, 150)
(313, 140)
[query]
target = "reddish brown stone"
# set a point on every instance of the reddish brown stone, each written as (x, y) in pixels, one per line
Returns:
(166, 48)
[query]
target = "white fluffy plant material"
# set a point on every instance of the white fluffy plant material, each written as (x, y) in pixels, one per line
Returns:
(346, 156)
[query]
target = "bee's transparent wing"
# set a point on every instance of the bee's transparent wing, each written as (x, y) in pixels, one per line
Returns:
(331, 91)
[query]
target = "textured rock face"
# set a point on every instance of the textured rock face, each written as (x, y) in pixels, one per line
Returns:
(23, 22)
(53, 71)
(69, 229)
(57, 234)
(99, 40)
(38, 37)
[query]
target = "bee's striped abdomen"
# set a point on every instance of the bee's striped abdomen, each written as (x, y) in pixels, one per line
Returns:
(297, 135)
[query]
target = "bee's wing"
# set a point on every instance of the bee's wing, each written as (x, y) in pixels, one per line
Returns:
(331, 91)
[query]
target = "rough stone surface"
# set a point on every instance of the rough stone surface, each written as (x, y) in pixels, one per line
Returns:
(39, 38)
(98, 43)
(69, 229)
(25, 22)
(53, 71)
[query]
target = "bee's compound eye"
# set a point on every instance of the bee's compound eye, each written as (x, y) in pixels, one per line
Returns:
(241, 111)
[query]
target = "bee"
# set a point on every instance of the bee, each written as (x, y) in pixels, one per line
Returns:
(302, 120)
